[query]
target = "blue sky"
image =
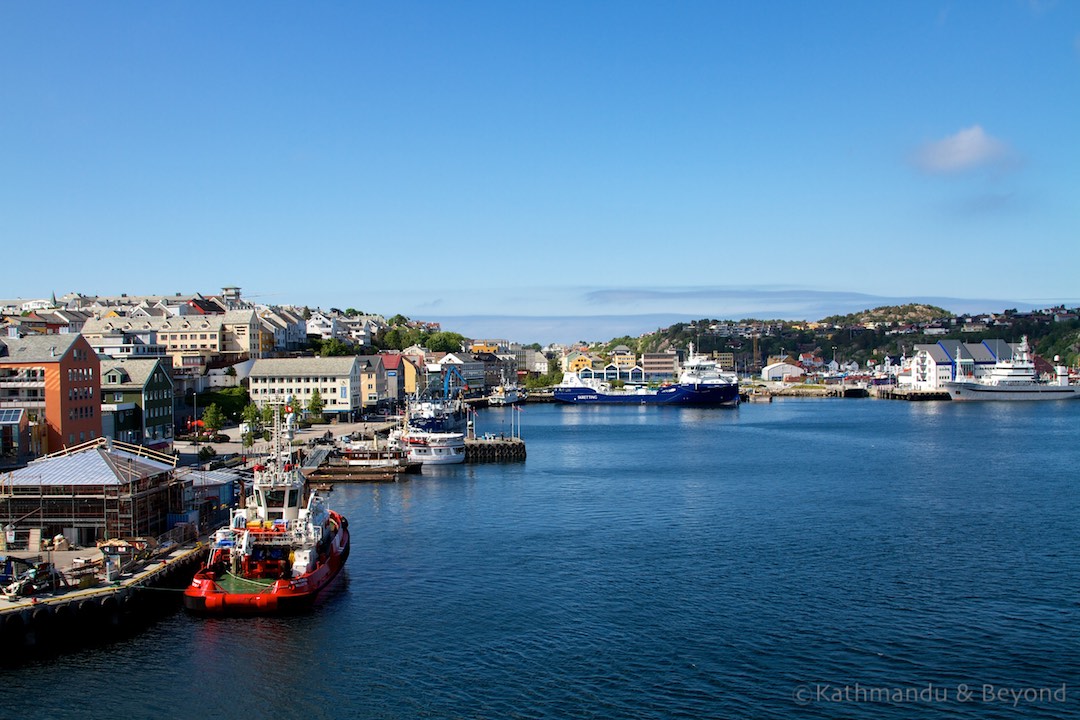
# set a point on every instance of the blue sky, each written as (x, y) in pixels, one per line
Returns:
(548, 168)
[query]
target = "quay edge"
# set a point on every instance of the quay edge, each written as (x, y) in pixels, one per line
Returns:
(52, 623)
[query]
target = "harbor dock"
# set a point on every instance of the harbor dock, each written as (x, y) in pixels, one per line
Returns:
(91, 609)
(891, 392)
(484, 450)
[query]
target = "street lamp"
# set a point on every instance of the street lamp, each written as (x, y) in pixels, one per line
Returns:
(195, 416)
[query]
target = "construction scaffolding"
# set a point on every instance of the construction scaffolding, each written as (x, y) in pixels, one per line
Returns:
(95, 491)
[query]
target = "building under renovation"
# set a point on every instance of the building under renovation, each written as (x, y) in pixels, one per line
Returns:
(99, 490)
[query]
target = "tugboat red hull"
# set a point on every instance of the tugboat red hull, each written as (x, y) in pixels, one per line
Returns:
(207, 596)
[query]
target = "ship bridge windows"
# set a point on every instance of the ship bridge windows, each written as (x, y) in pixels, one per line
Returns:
(278, 500)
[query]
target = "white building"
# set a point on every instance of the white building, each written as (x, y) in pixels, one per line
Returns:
(934, 365)
(338, 380)
(325, 326)
(778, 371)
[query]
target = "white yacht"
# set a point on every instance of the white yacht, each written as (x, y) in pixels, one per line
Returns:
(430, 448)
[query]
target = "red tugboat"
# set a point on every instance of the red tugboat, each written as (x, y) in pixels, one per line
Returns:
(277, 553)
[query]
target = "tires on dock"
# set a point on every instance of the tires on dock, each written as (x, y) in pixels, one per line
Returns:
(39, 626)
(14, 629)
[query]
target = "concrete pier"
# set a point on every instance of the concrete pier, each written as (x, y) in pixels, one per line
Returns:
(51, 622)
(480, 450)
(894, 393)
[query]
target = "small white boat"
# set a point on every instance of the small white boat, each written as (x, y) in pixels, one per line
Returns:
(431, 448)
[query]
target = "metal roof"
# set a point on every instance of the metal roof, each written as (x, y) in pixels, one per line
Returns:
(985, 352)
(998, 349)
(93, 466)
(207, 478)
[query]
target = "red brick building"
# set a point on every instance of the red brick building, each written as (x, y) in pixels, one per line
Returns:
(57, 380)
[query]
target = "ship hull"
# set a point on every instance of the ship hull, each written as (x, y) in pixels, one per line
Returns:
(977, 392)
(682, 395)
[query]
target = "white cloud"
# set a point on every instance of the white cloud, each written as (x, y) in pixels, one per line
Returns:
(969, 149)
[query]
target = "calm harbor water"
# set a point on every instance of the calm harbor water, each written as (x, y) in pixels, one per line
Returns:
(808, 558)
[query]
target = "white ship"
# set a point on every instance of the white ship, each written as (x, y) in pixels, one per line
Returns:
(506, 393)
(1012, 379)
(430, 448)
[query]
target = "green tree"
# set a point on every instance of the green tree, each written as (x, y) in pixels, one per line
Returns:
(398, 320)
(230, 401)
(445, 342)
(252, 416)
(315, 404)
(334, 347)
(413, 336)
(213, 419)
(392, 339)
(268, 411)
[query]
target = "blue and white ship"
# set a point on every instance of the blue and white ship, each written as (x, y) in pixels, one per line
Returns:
(701, 384)
(438, 415)
(445, 412)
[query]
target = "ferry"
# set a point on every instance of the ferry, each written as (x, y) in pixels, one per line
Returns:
(701, 384)
(277, 553)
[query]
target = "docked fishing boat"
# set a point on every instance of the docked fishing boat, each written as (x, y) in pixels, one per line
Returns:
(440, 408)
(506, 393)
(445, 415)
(278, 551)
(430, 448)
(700, 384)
(1013, 378)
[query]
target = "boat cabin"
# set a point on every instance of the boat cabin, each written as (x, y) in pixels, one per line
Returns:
(277, 503)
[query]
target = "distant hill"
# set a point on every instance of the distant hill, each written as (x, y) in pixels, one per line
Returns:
(902, 314)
